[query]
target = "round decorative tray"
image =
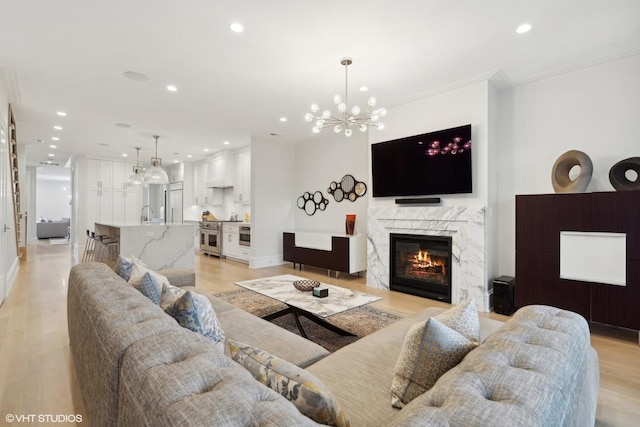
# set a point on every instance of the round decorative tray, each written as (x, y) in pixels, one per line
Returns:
(306, 285)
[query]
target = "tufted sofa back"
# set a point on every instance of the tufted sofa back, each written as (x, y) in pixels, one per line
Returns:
(538, 370)
(136, 366)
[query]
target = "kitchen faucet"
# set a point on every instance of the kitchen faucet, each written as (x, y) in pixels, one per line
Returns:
(142, 210)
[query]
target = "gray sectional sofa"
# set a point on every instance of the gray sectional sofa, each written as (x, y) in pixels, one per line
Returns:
(137, 367)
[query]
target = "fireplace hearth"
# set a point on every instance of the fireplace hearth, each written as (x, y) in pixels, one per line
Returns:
(421, 265)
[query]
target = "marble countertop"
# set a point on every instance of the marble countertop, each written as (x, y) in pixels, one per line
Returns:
(121, 224)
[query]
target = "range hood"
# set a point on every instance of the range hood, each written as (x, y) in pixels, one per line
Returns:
(218, 184)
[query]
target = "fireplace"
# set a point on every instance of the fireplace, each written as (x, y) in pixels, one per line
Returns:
(421, 265)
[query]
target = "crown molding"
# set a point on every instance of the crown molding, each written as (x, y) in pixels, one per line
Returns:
(10, 82)
(577, 66)
(498, 77)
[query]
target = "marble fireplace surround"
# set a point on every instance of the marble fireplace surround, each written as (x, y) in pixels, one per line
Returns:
(465, 225)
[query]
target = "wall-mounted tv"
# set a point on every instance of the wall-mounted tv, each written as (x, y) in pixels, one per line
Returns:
(429, 164)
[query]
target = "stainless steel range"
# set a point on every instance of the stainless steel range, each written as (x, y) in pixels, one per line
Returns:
(211, 237)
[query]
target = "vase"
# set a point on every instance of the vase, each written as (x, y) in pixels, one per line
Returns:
(350, 224)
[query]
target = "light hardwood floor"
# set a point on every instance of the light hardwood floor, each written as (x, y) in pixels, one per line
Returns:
(36, 369)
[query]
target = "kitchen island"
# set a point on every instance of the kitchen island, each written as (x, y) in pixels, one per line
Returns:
(159, 245)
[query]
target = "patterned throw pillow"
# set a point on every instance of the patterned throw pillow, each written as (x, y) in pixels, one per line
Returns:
(464, 319)
(305, 391)
(123, 267)
(139, 270)
(430, 349)
(147, 285)
(194, 312)
(169, 295)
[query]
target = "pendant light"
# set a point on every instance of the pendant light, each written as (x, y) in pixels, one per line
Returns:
(155, 174)
(136, 178)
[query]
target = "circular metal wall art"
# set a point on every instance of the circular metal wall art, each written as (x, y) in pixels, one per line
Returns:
(348, 188)
(560, 179)
(619, 172)
(310, 203)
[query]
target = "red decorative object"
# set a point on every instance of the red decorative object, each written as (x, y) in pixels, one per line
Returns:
(350, 224)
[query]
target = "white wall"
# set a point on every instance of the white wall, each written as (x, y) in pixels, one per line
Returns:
(325, 158)
(594, 109)
(52, 199)
(272, 199)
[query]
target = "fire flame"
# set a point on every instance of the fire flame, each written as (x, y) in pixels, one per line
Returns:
(423, 260)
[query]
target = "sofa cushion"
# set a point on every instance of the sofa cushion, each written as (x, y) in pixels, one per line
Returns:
(169, 295)
(194, 312)
(304, 390)
(257, 332)
(147, 285)
(430, 349)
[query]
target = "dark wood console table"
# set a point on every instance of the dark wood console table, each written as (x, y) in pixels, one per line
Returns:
(539, 221)
(347, 254)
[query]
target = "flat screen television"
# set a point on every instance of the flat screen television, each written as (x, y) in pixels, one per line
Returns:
(433, 163)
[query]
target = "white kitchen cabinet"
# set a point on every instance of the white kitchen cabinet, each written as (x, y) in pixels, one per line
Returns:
(176, 172)
(121, 171)
(126, 205)
(242, 187)
(99, 173)
(99, 206)
(231, 247)
(200, 192)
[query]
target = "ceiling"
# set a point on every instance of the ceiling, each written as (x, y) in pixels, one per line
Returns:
(71, 56)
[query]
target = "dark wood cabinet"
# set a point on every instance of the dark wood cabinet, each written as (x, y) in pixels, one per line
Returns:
(539, 221)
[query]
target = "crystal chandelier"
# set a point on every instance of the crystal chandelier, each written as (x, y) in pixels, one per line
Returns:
(136, 178)
(155, 174)
(346, 119)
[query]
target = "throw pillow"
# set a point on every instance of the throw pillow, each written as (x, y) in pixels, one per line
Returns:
(430, 349)
(305, 391)
(123, 267)
(147, 285)
(138, 271)
(169, 295)
(464, 319)
(194, 312)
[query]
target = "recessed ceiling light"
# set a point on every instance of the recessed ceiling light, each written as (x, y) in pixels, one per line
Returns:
(206, 150)
(236, 27)
(49, 162)
(136, 76)
(55, 138)
(176, 161)
(523, 28)
(283, 119)
(61, 113)
(226, 143)
(123, 125)
(51, 155)
(363, 88)
(172, 88)
(53, 146)
(189, 156)
(125, 155)
(57, 127)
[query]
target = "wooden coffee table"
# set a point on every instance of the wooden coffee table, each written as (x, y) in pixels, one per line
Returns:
(305, 304)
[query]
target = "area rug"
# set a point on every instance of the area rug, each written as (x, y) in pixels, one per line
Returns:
(360, 321)
(59, 241)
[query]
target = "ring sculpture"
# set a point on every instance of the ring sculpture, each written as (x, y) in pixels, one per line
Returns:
(618, 178)
(560, 179)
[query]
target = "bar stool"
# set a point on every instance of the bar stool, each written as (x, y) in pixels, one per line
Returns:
(108, 244)
(89, 247)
